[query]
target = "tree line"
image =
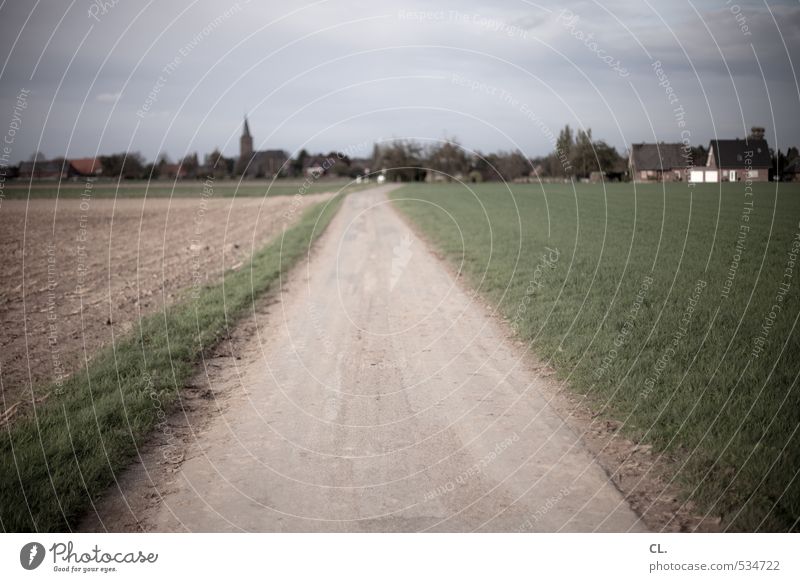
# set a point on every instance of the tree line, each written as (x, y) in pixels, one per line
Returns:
(575, 155)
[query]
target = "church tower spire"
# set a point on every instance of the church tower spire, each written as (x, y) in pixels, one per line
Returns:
(246, 142)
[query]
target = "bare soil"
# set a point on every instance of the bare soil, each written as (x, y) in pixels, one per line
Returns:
(78, 272)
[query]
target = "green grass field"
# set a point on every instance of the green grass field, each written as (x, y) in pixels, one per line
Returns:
(56, 462)
(20, 189)
(673, 309)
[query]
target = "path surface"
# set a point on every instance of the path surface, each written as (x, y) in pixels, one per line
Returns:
(376, 396)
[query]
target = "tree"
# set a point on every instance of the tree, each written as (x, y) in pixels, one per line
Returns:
(559, 163)
(152, 171)
(582, 153)
(509, 166)
(217, 165)
(190, 164)
(126, 165)
(699, 155)
(376, 156)
(779, 162)
(341, 164)
(299, 162)
(564, 142)
(480, 164)
(449, 159)
(402, 161)
(606, 158)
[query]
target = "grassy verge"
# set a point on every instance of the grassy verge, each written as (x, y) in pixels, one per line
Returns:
(55, 462)
(659, 305)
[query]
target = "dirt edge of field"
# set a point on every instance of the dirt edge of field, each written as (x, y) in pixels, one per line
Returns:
(640, 474)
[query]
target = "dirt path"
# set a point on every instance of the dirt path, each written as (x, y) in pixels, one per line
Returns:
(374, 395)
(75, 271)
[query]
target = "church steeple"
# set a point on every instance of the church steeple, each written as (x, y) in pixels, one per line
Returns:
(246, 142)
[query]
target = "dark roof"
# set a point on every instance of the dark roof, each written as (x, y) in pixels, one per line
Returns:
(314, 161)
(271, 155)
(43, 166)
(657, 156)
(266, 162)
(731, 153)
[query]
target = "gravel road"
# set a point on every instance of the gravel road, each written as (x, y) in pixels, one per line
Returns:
(374, 393)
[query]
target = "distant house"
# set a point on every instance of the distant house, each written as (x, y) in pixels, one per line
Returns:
(740, 159)
(317, 166)
(84, 167)
(60, 169)
(658, 162)
(266, 163)
(173, 171)
(43, 170)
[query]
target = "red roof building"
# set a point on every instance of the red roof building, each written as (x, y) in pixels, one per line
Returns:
(85, 167)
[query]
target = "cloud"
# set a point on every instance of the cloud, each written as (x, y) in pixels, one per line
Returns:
(322, 75)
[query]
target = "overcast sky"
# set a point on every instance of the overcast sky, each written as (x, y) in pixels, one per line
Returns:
(178, 76)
